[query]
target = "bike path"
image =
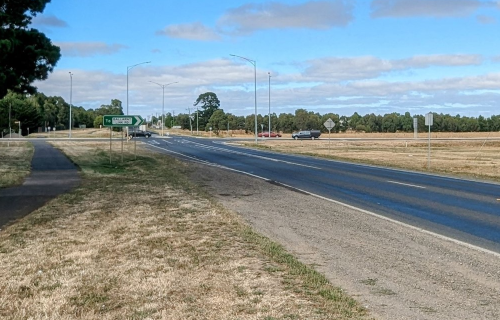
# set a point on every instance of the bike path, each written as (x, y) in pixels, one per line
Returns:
(52, 174)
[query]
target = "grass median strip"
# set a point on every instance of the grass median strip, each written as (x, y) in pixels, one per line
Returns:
(138, 240)
(15, 162)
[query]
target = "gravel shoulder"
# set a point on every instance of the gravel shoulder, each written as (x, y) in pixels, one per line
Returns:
(395, 271)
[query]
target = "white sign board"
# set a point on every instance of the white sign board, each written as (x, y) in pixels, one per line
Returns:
(329, 124)
(429, 119)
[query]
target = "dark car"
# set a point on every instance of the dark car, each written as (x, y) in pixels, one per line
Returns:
(139, 133)
(307, 134)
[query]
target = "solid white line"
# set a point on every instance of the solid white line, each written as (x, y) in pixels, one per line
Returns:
(255, 156)
(373, 214)
(406, 184)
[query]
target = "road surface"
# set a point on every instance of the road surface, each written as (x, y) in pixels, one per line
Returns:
(464, 210)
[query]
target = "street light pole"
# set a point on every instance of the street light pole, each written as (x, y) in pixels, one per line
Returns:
(163, 105)
(128, 68)
(10, 121)
(255, 88)
(269, 73)
(190, 120)
(70, 100)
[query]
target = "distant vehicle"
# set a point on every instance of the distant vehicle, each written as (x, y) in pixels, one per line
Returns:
(139, 133)
(307, 134)
(266, 134)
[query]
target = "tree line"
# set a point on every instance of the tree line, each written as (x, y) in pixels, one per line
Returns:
(39, 112)
(34, 113)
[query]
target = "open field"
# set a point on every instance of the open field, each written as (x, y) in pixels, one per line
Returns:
(78, 133)
(137, 240)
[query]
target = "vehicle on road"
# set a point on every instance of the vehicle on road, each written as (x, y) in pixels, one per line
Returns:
(266, 134)
(139, 133)
(307, 134)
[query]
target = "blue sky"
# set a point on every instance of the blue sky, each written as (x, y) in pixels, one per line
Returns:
(365, 56)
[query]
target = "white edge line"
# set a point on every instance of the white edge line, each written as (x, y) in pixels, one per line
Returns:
(437, 235)
(406, 184)
(257, 156)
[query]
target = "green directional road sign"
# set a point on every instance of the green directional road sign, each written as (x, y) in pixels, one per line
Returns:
(122, 121)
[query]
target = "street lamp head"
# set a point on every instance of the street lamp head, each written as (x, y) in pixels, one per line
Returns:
(130, 67)
(163, 85)
(156, 83)
(254, 62)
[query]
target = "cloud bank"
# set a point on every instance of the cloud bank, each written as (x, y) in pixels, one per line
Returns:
(427, 8)
(88, 49)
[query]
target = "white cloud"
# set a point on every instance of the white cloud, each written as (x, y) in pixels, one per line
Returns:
(88, 49)
(486, 19)
(190, 31)
(426, 8)
(367, 67)
(48, 21)
(425, 61)
(274, 15)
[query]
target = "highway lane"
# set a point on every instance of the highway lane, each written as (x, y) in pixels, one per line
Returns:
(464, 210)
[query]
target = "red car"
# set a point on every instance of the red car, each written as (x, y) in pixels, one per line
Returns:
(265, 134)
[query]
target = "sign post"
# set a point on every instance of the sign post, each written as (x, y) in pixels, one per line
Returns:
(329, 124)
(415, 128)
(121, 121)
(429, 121)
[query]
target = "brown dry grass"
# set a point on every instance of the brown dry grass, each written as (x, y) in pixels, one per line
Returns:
(15, 162)
(138, 241)
(78, 133)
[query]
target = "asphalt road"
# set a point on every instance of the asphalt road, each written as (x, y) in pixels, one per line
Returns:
(467, 211)
(52, 174)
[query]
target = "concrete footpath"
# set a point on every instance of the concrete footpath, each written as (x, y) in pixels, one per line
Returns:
(52, 174)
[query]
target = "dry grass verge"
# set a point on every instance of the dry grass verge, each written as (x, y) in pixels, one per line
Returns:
(138, 241)
(15, 162)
